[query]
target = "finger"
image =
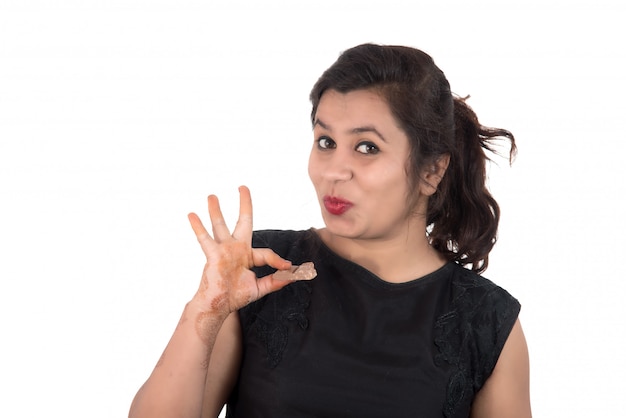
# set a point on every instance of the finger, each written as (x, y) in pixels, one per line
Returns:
(267, 257)
(243, 229)
(205, 240)
(220, 230)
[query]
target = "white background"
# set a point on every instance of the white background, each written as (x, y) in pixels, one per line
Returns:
(117, 118)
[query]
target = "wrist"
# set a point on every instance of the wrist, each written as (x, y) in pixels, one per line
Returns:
(199, 306)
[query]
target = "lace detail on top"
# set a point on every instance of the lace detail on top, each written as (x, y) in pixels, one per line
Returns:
(471, 335)
(273, 330)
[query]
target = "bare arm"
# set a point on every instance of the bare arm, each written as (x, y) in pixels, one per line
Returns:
(506, 393)
(177, 386)
(223, 367)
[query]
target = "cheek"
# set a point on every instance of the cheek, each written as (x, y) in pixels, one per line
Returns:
(313, 169)
(309, 170)
(392, 182)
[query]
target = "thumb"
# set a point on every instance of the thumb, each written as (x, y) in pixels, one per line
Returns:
(268, 284)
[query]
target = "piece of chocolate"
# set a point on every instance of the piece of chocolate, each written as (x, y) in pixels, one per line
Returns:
(305, 271)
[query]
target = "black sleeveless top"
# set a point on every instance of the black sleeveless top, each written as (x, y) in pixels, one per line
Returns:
(348, 344)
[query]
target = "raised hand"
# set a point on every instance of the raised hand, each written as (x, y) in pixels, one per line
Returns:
(227, 282)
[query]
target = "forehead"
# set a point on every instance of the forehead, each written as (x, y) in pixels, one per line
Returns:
(356, 107)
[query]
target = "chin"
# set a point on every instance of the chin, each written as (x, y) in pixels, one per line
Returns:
(343, 229)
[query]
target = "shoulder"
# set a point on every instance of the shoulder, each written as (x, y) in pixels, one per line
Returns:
(281, 241)
(474, 296)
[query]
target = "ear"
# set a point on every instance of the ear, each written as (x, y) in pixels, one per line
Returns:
(433, 174)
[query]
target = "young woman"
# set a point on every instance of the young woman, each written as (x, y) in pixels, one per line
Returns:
(398, 321)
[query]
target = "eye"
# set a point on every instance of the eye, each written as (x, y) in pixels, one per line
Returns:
(367, 148)
(325, 142)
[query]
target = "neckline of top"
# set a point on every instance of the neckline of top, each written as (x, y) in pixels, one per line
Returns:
(376, 281)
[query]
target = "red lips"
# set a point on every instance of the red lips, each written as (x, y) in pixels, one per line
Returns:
(335, 205)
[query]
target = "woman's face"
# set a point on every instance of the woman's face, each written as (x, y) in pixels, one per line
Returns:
(358, 166)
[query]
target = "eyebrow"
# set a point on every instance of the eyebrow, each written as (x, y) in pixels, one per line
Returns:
(357, 130)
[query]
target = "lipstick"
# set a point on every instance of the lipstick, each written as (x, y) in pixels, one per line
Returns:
(335, 205)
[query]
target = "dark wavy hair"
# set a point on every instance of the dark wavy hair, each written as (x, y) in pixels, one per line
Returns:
(462, 215)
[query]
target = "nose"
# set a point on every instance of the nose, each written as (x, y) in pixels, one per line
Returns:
(338, 167)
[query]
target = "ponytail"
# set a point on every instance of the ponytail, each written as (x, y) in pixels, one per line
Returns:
(463, 214)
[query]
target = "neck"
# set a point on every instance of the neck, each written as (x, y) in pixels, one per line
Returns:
(395, 259)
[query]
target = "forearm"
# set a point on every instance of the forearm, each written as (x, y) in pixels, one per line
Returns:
(177, 384)
(176, 387)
